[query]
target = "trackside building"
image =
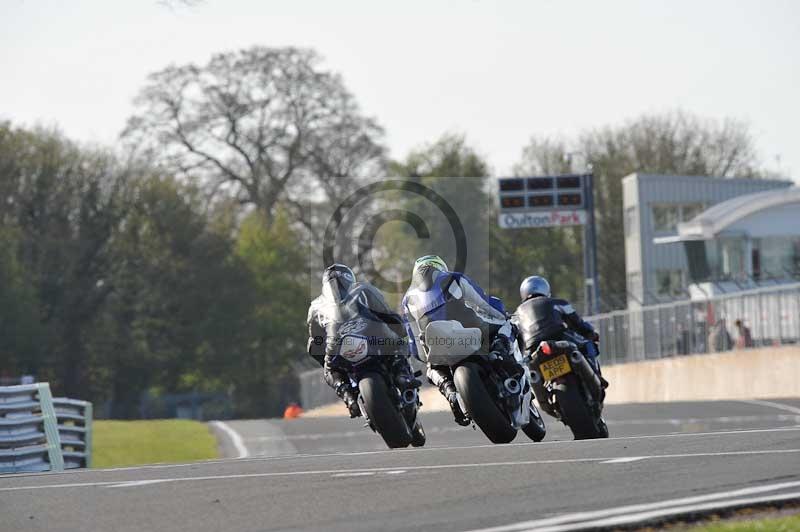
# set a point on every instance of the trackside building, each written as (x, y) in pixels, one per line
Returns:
(656, 262)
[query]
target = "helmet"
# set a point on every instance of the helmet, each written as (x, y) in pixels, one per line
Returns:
(336, 281)
(534, 286)
(429, 261)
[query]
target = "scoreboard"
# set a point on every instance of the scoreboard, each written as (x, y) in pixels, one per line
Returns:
(525, 194)
(544, 201)
(554, 201)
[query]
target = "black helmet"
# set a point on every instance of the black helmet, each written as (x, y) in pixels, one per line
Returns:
(336, 282)
(534, 286)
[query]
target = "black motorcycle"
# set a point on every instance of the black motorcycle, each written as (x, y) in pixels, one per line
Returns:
(368, 355)
(568, 389)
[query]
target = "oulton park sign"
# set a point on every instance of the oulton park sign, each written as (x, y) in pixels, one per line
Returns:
(554, 218)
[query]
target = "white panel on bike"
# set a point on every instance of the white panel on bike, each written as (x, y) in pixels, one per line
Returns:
(448, 342)
(455, 290)
(354, 349)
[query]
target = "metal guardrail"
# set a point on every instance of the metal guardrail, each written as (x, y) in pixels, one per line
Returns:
(75, 431)
(314, 391)
(39, 433)
(771, 314)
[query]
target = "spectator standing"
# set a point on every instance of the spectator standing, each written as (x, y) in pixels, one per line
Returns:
(744, 338)
(719, 339)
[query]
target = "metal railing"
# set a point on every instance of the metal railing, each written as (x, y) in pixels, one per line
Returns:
(314, 391)
(74, 431)
(771, 314)
(39, 433)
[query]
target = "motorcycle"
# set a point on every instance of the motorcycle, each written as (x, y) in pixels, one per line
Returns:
(500, 404)
(388, 406)
(568, 389)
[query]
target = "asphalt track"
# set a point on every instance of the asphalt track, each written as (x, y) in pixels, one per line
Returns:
(332, 474)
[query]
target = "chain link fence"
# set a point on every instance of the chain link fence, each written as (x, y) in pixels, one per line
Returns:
(765, 316)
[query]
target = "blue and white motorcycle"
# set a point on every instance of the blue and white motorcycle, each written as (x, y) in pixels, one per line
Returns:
(499, 403)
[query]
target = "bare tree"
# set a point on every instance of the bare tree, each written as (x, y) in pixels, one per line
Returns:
(672, 143)
(260, 124)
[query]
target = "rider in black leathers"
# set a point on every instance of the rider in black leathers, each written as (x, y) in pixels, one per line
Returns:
(340, 289)
(554, 319)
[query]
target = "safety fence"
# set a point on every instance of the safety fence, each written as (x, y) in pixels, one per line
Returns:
(42, 433)
(314, 391)
(770, 315)
(767, 316)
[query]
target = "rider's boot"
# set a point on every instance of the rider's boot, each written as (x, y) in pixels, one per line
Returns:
(350, 398)
(442, 378)
(448, 390)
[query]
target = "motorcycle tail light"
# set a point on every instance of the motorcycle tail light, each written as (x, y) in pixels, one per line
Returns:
(546, 349)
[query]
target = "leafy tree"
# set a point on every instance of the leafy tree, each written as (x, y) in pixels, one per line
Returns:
(65, 204)
(21, 335)
(179, 312)
(455, 171)
(265, 377)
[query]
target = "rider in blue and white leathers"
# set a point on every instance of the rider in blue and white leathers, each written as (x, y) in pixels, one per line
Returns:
(438, 294)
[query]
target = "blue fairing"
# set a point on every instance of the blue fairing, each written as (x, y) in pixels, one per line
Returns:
(497, 303)
(429, 303)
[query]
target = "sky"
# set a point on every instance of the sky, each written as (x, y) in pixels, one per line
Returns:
(497, 71)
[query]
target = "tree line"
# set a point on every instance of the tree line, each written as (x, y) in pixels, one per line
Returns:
(183, 258)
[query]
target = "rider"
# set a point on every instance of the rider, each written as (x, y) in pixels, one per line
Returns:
(438, 294)
(340, 289)
(555, 319)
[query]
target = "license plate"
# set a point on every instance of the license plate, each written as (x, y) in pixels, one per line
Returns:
(552, 369)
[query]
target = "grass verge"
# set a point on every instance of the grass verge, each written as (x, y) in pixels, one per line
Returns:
(781, 524)
(123, 443)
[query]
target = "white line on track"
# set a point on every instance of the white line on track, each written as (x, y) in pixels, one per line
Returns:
(515, 463)
(317, 436)
(573, 521)
(399, 452)
(695, 420)
(235, 437)
(625, 459)
(135, 483)
(779, 406)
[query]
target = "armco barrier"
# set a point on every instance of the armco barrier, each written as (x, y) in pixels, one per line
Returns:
(75, 431)
(39, 433)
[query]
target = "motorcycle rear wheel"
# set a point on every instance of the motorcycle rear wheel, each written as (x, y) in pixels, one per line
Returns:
(481, 406)
(535, 429)
(385, 417)
(575, 412)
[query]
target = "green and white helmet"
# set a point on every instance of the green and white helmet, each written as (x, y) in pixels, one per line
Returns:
(429, 261)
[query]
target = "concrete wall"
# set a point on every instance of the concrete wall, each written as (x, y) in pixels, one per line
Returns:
(752, 374)
(764, 373)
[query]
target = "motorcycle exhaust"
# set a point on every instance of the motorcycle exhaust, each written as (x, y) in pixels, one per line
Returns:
(537, 385)
(581, 366)
(512, 386)
(410, 396)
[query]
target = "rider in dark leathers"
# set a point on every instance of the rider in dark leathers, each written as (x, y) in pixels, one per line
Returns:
(325, 322)
(554, 319)
(438, 294)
